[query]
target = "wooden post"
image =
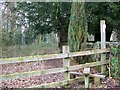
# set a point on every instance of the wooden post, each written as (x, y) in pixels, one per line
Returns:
(66, 63)
(103, 43)
(97, 81)
(86, 77)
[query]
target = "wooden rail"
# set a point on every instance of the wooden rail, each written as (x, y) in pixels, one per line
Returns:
(65, 69)
(58, 84)
(51, 56)
(50, 71)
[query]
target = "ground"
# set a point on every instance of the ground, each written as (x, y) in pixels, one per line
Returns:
(36, 80)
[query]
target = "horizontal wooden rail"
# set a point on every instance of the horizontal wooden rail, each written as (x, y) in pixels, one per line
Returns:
(62, 83)
(90, 52)
(32, 73)
(32, 58)
(58, 84)
(50, 71)
(50, 56)
(93, 64)
(91, 75)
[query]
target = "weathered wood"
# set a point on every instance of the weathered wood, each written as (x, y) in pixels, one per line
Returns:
(90, 52)
(66, 63)
(86, 74)
(58, 84)
(50, 71)
(50, 56)
(76, 73)
(32, 58)
(103, 43)
(87, 65)
(98, 76)
(32, 73)
(86, 71)
(96, 81)
(91, 75)
(103, 34)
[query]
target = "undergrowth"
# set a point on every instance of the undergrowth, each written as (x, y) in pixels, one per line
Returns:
(115, 62)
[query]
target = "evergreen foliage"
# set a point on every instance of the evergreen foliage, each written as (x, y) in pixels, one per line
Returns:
(77, 32)
(115, 61)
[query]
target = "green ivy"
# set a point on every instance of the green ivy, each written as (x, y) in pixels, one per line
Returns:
(115, 51)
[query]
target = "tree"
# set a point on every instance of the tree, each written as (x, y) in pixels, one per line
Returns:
(9, 23)
(108, 11)
(38, 17)
(62, 22)
(77, 32)
(44, 18)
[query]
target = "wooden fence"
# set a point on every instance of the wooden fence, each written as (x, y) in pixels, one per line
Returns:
(66, 55)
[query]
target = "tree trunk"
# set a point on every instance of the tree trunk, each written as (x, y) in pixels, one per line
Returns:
(62, 32)
(63, 39)
(77, 32)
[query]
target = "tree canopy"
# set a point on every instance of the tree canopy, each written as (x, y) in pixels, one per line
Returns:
(108, 11)
(43, 17)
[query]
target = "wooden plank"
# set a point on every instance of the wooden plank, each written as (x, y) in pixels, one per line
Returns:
(50, 71)
(58, 84)
(76, 73)
(90, 52)
(91, 75)
(50, 56)
(32, 58)
(87, 65)
(32, 73)
(97, 75)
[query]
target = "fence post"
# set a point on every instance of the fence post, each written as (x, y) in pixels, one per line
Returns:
(86, 77)
(103, 43)
(66, 63)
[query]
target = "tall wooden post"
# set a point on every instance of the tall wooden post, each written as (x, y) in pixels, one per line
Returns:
(66, 63)
(103, 43)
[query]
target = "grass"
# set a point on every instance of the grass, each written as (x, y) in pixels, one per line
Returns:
(29, 50)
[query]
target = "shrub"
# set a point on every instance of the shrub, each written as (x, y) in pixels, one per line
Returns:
(115, 62)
